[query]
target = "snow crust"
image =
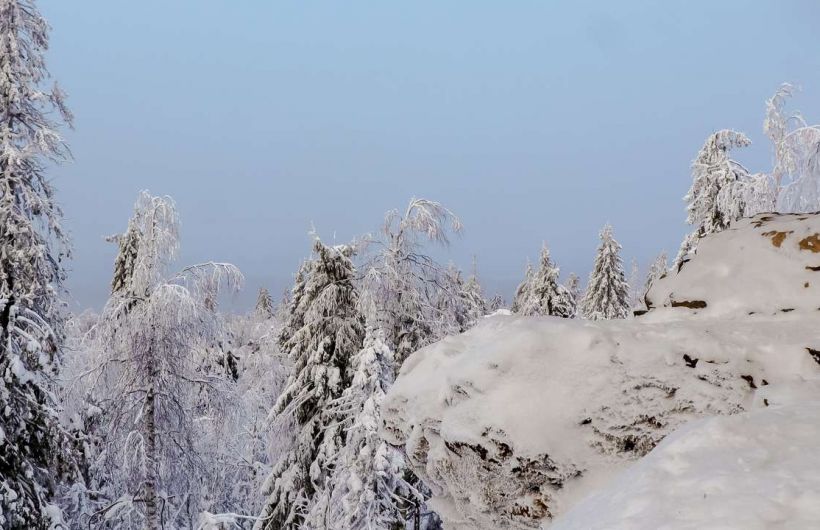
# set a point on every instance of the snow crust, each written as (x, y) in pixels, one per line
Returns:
(513, 422)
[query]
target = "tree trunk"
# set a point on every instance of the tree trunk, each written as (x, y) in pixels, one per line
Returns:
(152, 520)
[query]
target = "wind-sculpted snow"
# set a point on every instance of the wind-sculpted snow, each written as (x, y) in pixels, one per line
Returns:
(512, 422)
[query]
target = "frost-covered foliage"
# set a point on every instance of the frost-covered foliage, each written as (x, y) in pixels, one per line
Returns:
(148, 378)
(544, 295)
(796, 148)
(405, 286)
(323, 334)
(722, 190)
(240, 446)
(369, 489)
(607, 294)
(33, 450)
(264, 304)
(450, 304)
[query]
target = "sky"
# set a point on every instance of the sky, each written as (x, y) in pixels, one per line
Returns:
(534, 121)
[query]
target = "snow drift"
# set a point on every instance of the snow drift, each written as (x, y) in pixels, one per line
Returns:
(512, 422)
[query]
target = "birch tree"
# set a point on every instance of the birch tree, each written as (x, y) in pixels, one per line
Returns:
(403, 282)
(150, 383)
(796, 148)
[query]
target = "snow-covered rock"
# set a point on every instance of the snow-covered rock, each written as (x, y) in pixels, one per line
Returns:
(755, 470)
(767, 264)
(513, 422)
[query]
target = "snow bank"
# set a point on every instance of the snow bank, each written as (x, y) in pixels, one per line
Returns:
(756, 470)
(513, 422)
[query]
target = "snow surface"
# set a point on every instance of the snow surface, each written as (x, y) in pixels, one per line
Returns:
(516, 420)
(755, 470)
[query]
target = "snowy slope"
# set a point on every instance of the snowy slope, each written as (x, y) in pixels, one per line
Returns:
(514, 421)
(755, 470)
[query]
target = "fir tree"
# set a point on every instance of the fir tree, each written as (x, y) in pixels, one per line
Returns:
(326, 330)
(371, 492)
(607, 295)
(522, 293)
(264, 304)
(471, 292)
(545, 296)
(33, 448)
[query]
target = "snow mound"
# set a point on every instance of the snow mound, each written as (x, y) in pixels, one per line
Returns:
(513, 422)
(765, 264)
(756, 470)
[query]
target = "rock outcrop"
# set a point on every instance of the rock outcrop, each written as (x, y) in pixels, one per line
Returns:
(511, 423)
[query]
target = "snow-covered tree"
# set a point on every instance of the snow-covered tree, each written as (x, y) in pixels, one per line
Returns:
(473, 295)
(33, 447)
(634, 288)
(495, 303)
(522, 292)
(721, 189)
(405, 284)
(796, 148)
(656, 271)
(148, 380)
(451, 305)
(326, 331)
(264, 304)
(545, 296)
(370, 490)
(607, 294)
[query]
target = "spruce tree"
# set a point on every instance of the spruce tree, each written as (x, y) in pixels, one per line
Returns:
(325, 332)
(32, 247)
(473, 295)
(607, 295)
(523, 290)
(370, 488)
(264, 304)
(545, 296)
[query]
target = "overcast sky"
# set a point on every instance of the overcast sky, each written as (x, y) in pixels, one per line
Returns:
(533, 120)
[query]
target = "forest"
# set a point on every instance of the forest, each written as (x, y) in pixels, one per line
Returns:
(165, 410)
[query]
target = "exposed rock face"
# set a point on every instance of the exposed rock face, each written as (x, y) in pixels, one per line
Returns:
(507, 423)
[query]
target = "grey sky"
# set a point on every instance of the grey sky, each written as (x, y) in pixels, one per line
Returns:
(532, 120)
